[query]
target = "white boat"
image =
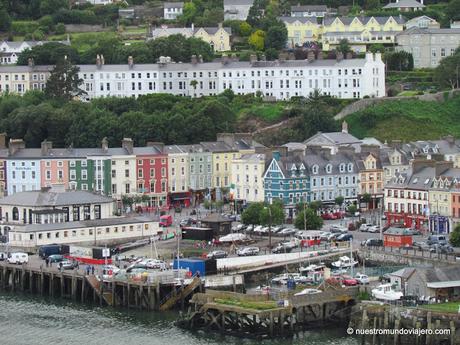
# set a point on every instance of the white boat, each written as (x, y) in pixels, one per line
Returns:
(283, 278)
(344, 262)
(385, 292)
(312, 268)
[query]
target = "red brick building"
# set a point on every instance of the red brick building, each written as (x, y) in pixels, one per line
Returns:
(397, 237)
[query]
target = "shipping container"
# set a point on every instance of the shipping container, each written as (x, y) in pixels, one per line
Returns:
(88, 255)
(195, 265)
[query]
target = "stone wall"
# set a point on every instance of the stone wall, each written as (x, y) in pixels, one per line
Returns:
(367, 102)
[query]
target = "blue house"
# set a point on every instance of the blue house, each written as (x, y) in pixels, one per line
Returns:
(287, 179)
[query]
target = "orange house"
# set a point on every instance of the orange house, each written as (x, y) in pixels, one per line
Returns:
(397, 237)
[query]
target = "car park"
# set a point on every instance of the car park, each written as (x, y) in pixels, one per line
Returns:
(217, 254)
(248, 251)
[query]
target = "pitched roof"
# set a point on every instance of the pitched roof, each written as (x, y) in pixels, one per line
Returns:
(404, 272)
(415, 30)
(364, 20)
(336, 138)
(404, 4)
(48, 198)
(238, 2)
(173, 4)
(397, 232)
(302, 20)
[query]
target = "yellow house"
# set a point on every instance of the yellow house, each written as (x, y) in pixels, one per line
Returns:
(440, 203)
(360, 31)
(217, 37)
(371, 178)
(301, 30)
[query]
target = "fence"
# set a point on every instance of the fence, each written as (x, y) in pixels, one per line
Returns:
(415, 253)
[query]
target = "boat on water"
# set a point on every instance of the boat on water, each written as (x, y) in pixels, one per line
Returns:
(344, 262)
(283, 279)
(312, 268)
(385, 292)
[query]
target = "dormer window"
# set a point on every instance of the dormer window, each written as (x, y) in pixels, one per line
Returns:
(315, 169)
(350, 167)
(342, 167)
(329, 168)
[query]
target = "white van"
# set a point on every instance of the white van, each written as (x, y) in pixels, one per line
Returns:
(18, 258)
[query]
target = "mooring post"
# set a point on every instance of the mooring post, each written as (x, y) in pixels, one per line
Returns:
(62, 285)
(114, 300)
(374, 336)
(128, 295)
(418, 325)
(271, 324)
(83, 287)
(396, 336)
(51, 283)
(364, 325)
(452, 332)
(31, 281)
(429, 326)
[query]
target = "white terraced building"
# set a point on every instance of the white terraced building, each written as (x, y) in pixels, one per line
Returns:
(350, 78)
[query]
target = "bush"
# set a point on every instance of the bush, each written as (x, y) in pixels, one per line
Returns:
(38, 35)
(454, 238)
(24, 27)
(60, 29)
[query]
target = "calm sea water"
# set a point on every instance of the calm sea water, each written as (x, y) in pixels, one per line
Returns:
(26, 320)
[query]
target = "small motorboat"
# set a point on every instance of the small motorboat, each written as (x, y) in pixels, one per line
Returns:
(312, 268)
(385, 292)
(344, 262)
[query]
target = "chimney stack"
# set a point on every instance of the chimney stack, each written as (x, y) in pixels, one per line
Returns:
(320, 54)
(160, 146)
(224, 59)
(344, 127)
(98, 61)
(263, 57)
(102, 60)
(252, 58)
(349, 56)
(46, 147)
(194, 60)
(200, 58)
(2, 141)
(105, 145)
(30, 62)
(130, 61)
(339, 56)
(311, 56)
(15, 145)
(128, 145)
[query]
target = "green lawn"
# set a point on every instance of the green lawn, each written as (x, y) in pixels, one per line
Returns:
(451, 307)
(407, 120)
(408, 93)
(264, 305)
(269, 112)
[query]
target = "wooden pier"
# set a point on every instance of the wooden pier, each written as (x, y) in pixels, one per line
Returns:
(76, 286)
(259, 316)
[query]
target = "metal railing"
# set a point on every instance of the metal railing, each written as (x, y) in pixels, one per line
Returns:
(415, 253)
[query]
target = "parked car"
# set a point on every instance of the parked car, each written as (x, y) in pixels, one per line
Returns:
(56, 258)
(373, 229)
(276, 229)
(279, 249)
(372, 242)
(69, 264)
(349, 281)
(364, 227)
(258, 228)
(420, 245)
(18, 258)
(248, 251)
(338, 229)
(239, 227)
(344, 237)
(287, 232)
(441, 248)
(362, 278)
(437, 239)
(217, 254)
(3, 256)
(308, 291)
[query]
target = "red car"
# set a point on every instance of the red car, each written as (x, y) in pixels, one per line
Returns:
(349, 281)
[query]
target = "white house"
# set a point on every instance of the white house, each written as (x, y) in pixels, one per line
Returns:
(247, 177)
(237, 9)
(172, 10)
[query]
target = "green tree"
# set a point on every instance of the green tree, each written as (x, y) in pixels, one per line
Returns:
(272, 214)
(276, 37)
(257, 40)
(48, 54)
(352, 209)
(251, 215)
(5, 19)
(308, 219)
(371, 4)
(366, 198)
(315, 205)
(60, 29)
(193, 83)
(245, 29)
(399, 61)
(452, 10)
(454, 237)
(339, 200)
(64, 82)
(447, 72)
(343, 47)
(188, 14)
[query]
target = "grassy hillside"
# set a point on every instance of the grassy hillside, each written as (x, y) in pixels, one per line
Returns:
(407, 120)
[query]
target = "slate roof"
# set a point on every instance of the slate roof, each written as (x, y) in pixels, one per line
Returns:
(404, 273)
(404, 4)
(82, 224)
(336, 138)
(364, 20)
(51, 199)
(420, 180)
(216, 146)
(429, 31)
(238, 2)
(440, 274)
(173, 4)
(302, 20)
(397, 232)
(309, 8)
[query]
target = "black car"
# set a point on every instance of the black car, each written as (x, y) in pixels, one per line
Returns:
(279, 249)
(372, 242)
(344, 237)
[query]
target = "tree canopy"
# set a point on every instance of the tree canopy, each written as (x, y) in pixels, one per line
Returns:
(308, 219)
(64, 82)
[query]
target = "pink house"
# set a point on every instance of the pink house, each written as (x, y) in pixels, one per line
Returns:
(54, 171)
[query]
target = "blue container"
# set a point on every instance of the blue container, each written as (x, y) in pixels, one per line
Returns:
(193, 265)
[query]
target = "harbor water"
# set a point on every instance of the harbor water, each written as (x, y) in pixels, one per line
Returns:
(28, 320)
